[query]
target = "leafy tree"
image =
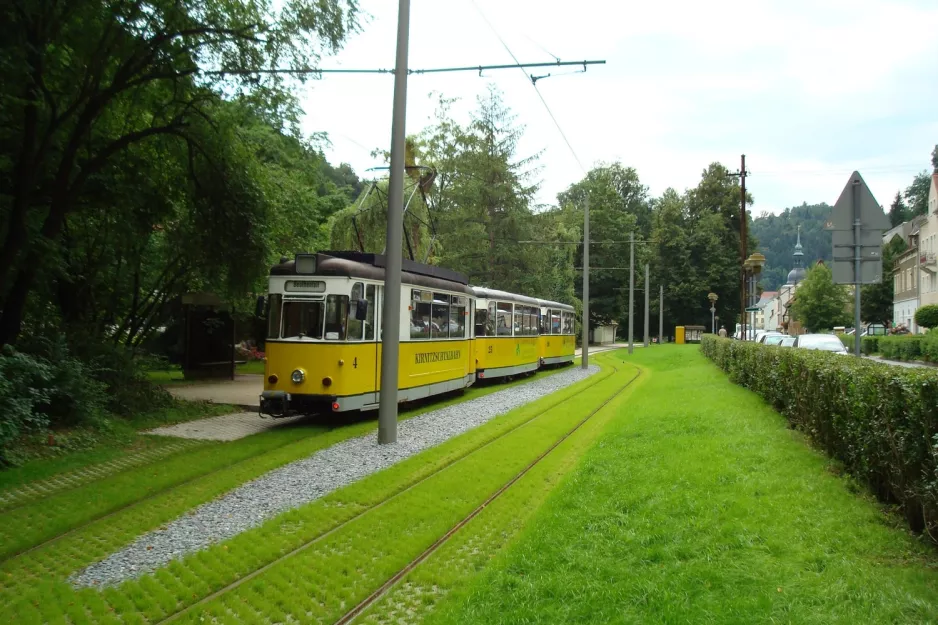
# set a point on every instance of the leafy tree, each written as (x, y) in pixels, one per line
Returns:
(819, 304)
(898, 213)
(916, 195)
(934, 159)
(876, 299)
(927, 316)
(88, 82)
(619, 205)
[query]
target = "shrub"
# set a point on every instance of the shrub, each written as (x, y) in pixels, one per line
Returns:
(45, 388)
(905, 347)
(927, 316)
(930, 346)
(880, 421)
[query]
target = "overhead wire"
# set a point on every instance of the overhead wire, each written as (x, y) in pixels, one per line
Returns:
(533, 84)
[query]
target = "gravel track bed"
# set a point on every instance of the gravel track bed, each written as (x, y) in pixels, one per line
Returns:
(306, 480)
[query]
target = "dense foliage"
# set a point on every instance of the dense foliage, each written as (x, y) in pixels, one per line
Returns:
(819, 304)
(927, 316)
(777, 235)
(881, 422)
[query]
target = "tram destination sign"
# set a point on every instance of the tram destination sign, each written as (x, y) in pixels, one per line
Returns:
(856, 202)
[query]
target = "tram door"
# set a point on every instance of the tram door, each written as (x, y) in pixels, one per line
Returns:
(379, 299)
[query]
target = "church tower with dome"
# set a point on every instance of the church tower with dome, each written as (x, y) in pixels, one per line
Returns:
(787, 291)
(797, 274)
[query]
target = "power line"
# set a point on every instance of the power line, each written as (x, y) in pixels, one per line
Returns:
(533, 84)
(241, 71)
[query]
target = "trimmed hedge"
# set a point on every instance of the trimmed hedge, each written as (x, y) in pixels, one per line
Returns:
(880, 421)
(906, 347)
(868, 344)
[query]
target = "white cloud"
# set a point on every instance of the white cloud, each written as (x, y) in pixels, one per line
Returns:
(809, 91)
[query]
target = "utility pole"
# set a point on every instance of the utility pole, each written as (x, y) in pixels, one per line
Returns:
(743, 237)
(661, 314)
(584, 361)
(631, 287)
(391, 313)
(647, 291)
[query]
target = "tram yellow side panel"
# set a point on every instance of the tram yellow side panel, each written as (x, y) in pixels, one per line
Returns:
(350, 366)
(430, 362)
(556, 345)
(493, 352)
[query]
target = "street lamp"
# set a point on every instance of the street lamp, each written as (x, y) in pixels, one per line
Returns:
(713, 311)
(753, 267)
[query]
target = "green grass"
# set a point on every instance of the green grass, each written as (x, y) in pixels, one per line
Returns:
(105, 441)
(700, 506)
(39, 591)
(255, 367)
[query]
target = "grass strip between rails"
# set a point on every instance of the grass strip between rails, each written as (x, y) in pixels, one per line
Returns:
(459, 560)
(703, 507)
(31, 582)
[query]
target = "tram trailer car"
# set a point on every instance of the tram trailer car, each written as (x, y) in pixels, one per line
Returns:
(557, 342)
(506, 334)
(324, 323)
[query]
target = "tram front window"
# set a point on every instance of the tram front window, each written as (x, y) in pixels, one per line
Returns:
(303, 320)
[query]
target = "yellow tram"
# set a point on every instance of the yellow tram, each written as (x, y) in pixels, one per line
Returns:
(324, 333)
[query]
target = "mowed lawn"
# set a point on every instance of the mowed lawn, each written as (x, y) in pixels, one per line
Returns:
(699, 505)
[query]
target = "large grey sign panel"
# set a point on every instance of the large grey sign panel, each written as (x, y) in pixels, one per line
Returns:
(870, 273)
(872, 216)
(873, 222)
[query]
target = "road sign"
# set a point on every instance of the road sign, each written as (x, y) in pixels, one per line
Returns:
(857, 202)
(858, 223)
(753, 309)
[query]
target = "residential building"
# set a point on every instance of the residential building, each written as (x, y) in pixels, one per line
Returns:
(928, 263)
(907, 278)
(765, 316)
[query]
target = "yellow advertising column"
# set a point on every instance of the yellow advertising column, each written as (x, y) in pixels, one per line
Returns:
(679, 335)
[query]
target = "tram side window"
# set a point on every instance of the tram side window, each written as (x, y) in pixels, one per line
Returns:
(355, 327)
(439, 322)
(490, 323)
(519, 320)
(420, 316)
(482, 316)
(535, 320)
(302, 320)
(554, 321)
(370, 320)
(458, 317)
(504, 319)
(336, 315)
(273, 316)
(567, 323)
(543, 327)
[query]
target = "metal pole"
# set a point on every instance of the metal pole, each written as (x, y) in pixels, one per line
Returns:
(647, 291)
(713, 321)
(584, 362)
(742, 245)
(631, 286)
(660, 314)
(391, 313)
(856, 268)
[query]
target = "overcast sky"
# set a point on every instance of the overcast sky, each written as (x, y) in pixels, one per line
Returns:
(809, 91)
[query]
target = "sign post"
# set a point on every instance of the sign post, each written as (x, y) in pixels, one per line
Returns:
(857, 224)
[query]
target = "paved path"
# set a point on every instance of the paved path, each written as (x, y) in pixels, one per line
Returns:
(227, 427)
(899, 363)
(244, 391)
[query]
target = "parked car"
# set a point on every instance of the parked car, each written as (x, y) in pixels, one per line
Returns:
(821, 342)
(773, 339)
(765, 336)
(787, 341)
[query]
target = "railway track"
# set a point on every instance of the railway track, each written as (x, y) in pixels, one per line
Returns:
(390, 583)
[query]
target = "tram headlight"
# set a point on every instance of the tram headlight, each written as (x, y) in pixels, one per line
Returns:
(298, 376)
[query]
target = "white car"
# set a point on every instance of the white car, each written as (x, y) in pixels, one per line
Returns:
(822, 342)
